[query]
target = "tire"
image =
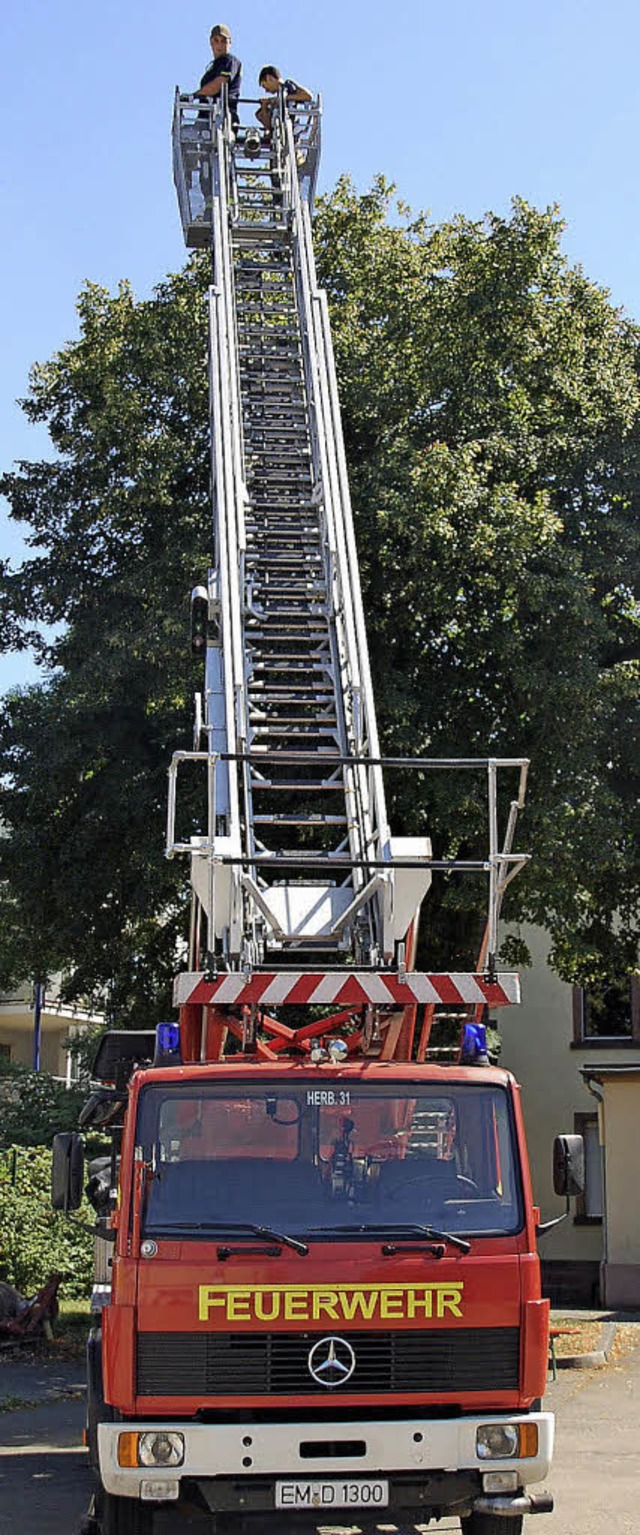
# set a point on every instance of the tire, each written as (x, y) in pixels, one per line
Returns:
(124, 1516)
(491, 1524)
(97, 1410)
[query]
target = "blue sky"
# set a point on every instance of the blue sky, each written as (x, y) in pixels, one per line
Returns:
(463, 105)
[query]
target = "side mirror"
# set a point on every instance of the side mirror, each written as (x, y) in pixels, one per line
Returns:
(67, 1171)
(568, 1165)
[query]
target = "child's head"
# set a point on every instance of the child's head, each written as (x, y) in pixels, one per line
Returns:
(270, 78)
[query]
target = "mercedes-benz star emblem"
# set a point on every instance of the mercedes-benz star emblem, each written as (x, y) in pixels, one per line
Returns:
(331, 1362)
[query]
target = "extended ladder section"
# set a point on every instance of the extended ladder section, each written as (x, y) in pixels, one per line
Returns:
(296, 866)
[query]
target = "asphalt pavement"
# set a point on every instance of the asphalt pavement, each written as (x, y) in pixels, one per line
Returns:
(595, 1478)
(44, 1477)
(45, 1483)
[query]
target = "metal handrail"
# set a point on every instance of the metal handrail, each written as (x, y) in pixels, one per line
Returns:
(501, 865)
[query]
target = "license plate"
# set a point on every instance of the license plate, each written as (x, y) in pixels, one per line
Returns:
(339, 1494)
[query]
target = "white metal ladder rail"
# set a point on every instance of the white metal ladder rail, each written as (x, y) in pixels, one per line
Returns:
(305, 697)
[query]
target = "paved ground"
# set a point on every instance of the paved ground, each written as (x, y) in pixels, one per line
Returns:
(596, 1474)
(44, 1481)
(39, 1379)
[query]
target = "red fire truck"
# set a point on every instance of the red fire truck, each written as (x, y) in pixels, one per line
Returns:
(325, 1294)
(320, 1301)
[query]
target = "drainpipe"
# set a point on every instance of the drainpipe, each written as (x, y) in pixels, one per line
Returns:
(37, 1023)
(596, 1092)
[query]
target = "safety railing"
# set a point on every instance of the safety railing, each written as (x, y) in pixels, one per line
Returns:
(194, 124)
(500, 864)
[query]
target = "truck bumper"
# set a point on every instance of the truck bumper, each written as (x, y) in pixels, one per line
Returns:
(242, 1460)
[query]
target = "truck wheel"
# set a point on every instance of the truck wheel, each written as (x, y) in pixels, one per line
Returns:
(125, 1516)
(97, 1409)
(491, 1524)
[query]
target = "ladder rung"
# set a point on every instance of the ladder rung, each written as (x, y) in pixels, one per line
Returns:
(272, 556)
(290, 786)
(289, 577)
(263, 698)
(314, 637)
(276, 615)
(275, 557)
(283, 664)
(286, 733)
(279, 432)
(325, 723)
(300, 820)
(280, 525)
(304, 505)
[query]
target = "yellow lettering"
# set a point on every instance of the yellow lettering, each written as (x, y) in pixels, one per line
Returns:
(359, 1302)
(416, 1303)
(325, 1302)
(300, 1304)
(449, 1300)
(264, 1313)
(296, 1305)
(208, 1297)
(239, 1306)
(391, 1305)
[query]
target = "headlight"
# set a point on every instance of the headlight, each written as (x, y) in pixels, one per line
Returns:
(497, 1441)
(507, 1441)
(160, 1449)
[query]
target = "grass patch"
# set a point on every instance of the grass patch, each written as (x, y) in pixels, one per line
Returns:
(71, 1327)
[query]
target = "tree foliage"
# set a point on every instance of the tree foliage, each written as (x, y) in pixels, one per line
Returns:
(490, 396)
(34, 1106)
(491, 408)
(36, 1241)
(119, 524)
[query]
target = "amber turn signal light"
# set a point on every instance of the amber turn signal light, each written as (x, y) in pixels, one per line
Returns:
(528, 1440)
(128, 1449)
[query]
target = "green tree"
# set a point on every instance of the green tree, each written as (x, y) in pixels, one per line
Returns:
(119, 522)
(34, 1106)
(36, 1241)
(491, 406)
(490, 397)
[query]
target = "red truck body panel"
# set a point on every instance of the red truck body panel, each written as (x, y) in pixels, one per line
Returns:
(185, 1290)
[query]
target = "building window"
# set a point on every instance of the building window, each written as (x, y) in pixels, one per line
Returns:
(5, 1052)
(609, 1013)
(590, 1205)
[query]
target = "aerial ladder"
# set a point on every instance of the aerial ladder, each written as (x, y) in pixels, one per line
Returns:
(317, 1280)
(301, 894)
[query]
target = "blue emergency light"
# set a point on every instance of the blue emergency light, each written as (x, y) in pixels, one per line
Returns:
(167, 1051)
(474, 1045)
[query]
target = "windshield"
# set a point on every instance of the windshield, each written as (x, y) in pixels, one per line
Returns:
(324, 1158)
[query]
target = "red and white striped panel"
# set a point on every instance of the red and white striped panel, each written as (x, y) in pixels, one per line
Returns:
(345, 988)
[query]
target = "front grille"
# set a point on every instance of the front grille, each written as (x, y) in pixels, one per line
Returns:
(275, 1364)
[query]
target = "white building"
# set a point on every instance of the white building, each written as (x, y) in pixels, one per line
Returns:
(59, 1023)
(577, 1058)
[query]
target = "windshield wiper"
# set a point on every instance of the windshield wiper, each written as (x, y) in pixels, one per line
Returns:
(414, 1227)
(266, 1232)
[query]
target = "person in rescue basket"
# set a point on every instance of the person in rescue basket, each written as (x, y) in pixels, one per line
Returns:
(271, 80)
(225, 66)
